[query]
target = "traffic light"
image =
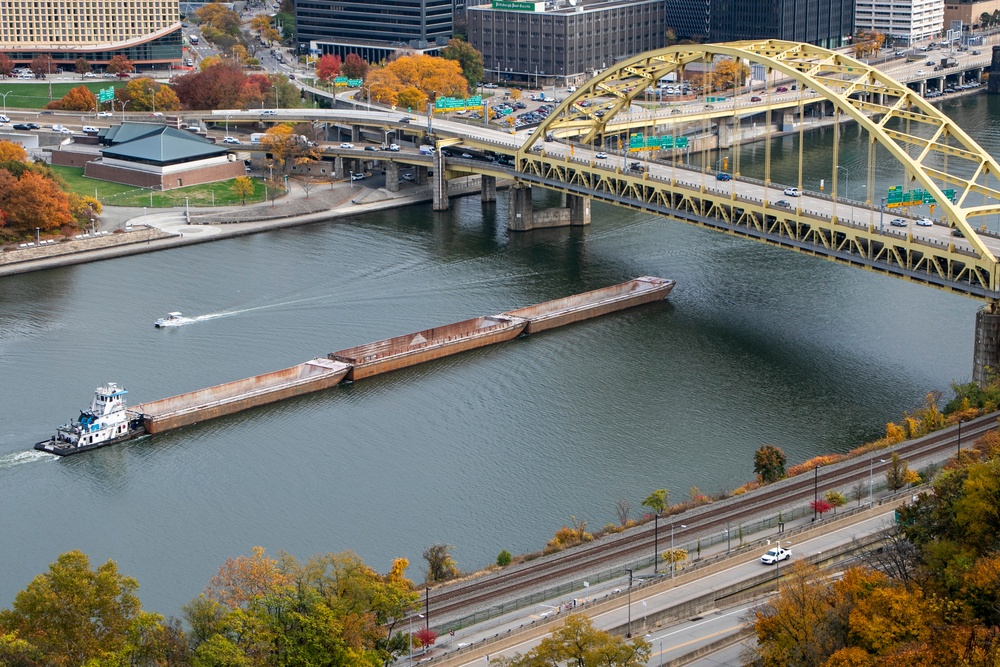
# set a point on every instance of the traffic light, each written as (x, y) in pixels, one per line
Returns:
(619, 143)
(932, 209)
(725, 164)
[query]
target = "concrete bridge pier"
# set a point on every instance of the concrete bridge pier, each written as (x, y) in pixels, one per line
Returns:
(579, 210)
(355, 133)
(519, 211)
(986, 353)
(420, 175)
(338, 167)
(994, 85)
(392, 176)
(439, 184)
(488, 189)
(786, 120)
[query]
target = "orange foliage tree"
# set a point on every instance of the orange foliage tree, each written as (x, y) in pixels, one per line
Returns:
(11, 152)
(411, 80)
(77, 99)
(245, 579)
(148, 95)
(327, 67)
(31, 201)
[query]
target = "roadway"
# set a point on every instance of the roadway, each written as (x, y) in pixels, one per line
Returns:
(637, 610)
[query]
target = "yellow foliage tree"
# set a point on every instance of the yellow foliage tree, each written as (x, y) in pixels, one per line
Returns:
(11, 152)
(242, 188)
(728, 74)
(247, 578)
(416, 78)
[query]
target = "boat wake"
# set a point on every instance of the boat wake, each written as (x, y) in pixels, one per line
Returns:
(20, 458)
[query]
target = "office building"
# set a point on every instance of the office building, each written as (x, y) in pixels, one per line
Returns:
(901, 21)
(826, 23)
(689, 19)
(373, 29)
(147, 32)
(562, 42)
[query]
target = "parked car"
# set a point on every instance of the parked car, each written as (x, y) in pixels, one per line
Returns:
(347, 145)
(925, 222)
(898, 222)
(407, 177)
(722, 176)
(90, 75)
(792, 192)
(774, 555)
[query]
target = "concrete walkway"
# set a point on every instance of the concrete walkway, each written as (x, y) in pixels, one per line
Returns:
(133, 230)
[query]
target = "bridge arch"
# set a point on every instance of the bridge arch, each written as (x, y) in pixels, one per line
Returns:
(933, 150)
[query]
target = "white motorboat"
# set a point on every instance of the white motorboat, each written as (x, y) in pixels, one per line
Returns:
(174, 319)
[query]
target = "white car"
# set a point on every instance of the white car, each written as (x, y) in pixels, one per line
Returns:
(407, 177)
(230, 140)
(268, 112)
(774, 555)
(58, 128)
(105, 114)
(357, 177)
(792, 192)
(89, 129)
(394, 148)
(66, 130)
(601, 156)
(347, 145)
(90, 75)
(4, 119)
(925, 222)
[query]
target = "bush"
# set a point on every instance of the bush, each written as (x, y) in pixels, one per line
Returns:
(504, 558)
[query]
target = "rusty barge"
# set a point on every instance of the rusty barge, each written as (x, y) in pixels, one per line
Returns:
(350, 364)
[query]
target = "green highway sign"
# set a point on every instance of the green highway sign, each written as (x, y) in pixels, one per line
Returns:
(340, 82)
(456, 103)
(898, 197)
(715, 99)
(106, 94)
(637, 142)
(354, 83)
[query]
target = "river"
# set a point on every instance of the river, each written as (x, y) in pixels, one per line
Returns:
(493, 449)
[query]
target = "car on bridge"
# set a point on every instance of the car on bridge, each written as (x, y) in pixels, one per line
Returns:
(372, 148)
(347, 144)
(723, 176)
(394, 148)
(755, 98)
(925, 222)
(783, 203)
(230, 140)
(793, 192)
(781, 89)
(601, 156)
(898, 222)
(776, 554)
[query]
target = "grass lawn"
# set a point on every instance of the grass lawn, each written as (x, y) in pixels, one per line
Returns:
(116, 194)
(36, 95)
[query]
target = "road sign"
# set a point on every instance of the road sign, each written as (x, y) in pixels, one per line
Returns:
(354, 83)
(340, 82)
(898, 197)
(106, 94)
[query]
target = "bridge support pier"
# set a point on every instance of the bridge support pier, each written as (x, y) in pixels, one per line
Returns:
(994, 85)
(355, 133)
(521, 217)
(420, 175)
(439, 184)
(488, 189)
(579, 210)
(392, 176)
(986, 353)
(338, 167)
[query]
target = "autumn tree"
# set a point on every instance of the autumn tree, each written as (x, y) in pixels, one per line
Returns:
(72, 615)
(7, 65)
(242, 188)
(468, 58)
(145, 94)
(657, 501)
(835, 498)
(897, 475)
(327, 67)
(31, 201)
(578, 642)
(820, 506)
(120, 65)
(354, 67)
(286, 148)
(246, 578)
(623, 508)
(216, 19)
(440, 565)
(769, 464)
(41, 66)
(214, 87)
(728, 74)
(11, 152)
(81, 66)
(76, 99)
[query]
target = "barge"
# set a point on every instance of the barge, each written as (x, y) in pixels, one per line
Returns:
(109, 421)
(402, 351)
(225, 399)
(560, 312)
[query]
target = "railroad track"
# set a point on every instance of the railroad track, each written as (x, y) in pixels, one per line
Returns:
(449, 603)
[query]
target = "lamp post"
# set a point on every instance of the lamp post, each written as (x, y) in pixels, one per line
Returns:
(777, 564)
(881, 213)
(958, 454)
(871, 480)
(847, 176)
(5, 100)
(124, 104)
(427, 608)
(656, 542)
(815, 490)
(629, 631)
(411, 637)
(38, 236)
(672, 559)
(227, 125)
(276, 104)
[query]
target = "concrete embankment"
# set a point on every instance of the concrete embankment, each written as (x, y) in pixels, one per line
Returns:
(171, 229)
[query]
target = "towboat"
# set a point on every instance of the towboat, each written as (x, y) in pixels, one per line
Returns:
(174, 319)
(107, 422)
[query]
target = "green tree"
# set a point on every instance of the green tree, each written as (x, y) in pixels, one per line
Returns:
(440, 565)
(657, 501)
(769, 464)
(72, 614)
(504, 558)
(898, 473)
(835, 498)
(578, 642)
(468, 58)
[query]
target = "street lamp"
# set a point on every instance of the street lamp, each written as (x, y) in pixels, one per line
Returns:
(847, 176)
(656, 542)
(958, 454)
(871, 481)
(672, 558)
(5, 100)
(629, 632)
(777, 563)
(227, 125)
(124, 104)
(38, 236)
(411, 637)
(815, 490)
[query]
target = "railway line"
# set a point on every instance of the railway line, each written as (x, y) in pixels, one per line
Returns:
(449, 603)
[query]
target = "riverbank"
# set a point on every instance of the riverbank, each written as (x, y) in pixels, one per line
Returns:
(129, 231)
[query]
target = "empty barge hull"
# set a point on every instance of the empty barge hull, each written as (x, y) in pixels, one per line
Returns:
(402, 351)
(226, 399)
(559, 312)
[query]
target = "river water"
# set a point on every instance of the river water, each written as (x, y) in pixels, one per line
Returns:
(493, 449)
